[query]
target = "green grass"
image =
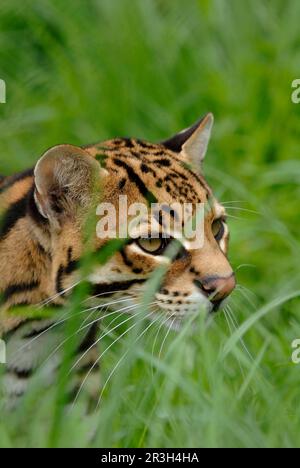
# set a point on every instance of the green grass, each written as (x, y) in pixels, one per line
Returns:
(79, 72)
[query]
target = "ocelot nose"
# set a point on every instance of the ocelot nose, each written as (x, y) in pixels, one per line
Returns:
(217, 288)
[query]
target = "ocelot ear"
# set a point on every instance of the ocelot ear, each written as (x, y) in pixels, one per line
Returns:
(192, 142)
(66, 177)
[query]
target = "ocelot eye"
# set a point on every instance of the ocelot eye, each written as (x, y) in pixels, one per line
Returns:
(154, 246)
(218, 229)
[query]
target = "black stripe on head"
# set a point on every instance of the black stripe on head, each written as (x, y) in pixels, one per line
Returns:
(145, 144)
(137, 181)
(122, 183)
(19, 288)
(111, 288)
(165, 162)
(19, 210)
(9, 181)
(15, 212)
(128, 142)
(71, 266)
(59, 278)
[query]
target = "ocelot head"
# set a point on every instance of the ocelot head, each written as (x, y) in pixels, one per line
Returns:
(74, 186)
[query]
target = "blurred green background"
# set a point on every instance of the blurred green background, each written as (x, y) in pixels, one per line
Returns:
(81, 71)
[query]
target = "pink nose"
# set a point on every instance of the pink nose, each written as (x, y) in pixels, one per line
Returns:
(217, 288)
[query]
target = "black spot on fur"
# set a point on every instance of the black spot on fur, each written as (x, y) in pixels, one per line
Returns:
(122, 183)
(128, 142)
(137, 271)
(71, 266)
(145, 168)
(126, 259)
(59, 278)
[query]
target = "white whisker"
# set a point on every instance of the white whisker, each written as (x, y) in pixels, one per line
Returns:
(108, 293)
(55, 324)
(233, 201)
(166, 336)
(132, 307)
(156, 336)
(234, 217)
(78, 331)
(50, 299)
(226, 313)
(245, 265)
(121, 360)
(104, 352)
(235, 324)
(243, 209)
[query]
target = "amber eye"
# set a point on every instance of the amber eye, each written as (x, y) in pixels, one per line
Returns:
(218, 229)
(153, 246)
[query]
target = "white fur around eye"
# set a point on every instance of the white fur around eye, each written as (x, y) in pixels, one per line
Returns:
(223, 240)
(160, 259)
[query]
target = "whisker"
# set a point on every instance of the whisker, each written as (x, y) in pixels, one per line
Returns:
(106, 304)
(233, 201)
(236, 325)
(132, 307)
(226, 313)
(166, 336)
(234, 217)
(100, 318)
(78, 331)
(227, 320)
(110, 293)
(243, 288)
(243, 209)
(121, 360)
(50, 299)
(55, 324)
(104, 352)
(156, 336)
(245, 265)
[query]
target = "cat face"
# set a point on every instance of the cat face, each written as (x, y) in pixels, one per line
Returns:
(117, 174)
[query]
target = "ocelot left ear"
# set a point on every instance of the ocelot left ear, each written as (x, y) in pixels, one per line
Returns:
(192, 142)
(65, 179)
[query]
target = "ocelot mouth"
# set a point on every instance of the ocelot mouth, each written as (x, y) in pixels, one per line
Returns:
(218, 305)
